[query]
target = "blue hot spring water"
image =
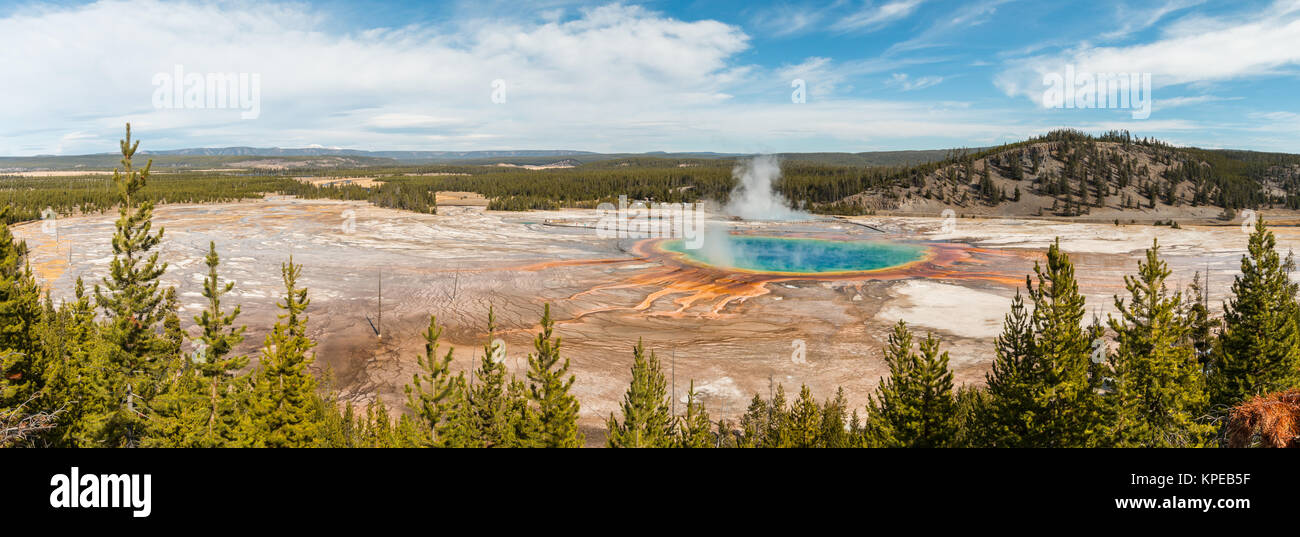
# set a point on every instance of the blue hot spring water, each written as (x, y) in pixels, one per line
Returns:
(798, 255)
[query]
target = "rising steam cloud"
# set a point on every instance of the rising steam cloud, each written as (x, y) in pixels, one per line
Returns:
(754, 198)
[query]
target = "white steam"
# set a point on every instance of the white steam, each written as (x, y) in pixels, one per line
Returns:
(719, 249)
(754, 198)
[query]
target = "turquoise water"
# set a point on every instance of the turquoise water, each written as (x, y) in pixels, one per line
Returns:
(804, 256)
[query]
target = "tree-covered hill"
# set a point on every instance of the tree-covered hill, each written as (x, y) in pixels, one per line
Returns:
(1069, 173)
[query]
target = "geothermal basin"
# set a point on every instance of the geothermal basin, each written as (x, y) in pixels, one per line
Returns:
(831, 287)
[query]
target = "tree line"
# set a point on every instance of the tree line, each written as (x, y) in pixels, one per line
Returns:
(1090, 173)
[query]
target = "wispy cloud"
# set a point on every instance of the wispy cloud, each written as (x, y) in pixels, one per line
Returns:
(871, 17)
(968, 16)
(905, 82)
(785, 19)
(1134, 20)
(1179, 102)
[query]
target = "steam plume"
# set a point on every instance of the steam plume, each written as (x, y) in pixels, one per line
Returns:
(754, 198)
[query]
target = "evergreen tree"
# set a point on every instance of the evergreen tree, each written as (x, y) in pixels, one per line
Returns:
(460, 430)
(284, 409)
(173, 337)
(487, 395)
(214, 363)
(914, 407)
(133, 307)
(971, 405)
(1009, 417)
(694, 429)
(777, 434)
(433, 391)
(179, 412)
(1160, 389)
(176, 410)
(857, 433)
(647, 420)
(805, 421)
(74, 375)
(549, 391)
(833, 434)
(1069, 412)
(753, 424)
(1197, 315)
(1259, 349)
(523, 423)
(21, 368)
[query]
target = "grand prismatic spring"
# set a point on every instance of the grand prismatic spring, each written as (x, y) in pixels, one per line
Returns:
(791, 255)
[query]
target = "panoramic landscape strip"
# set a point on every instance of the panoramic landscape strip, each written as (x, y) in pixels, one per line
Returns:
(1049, 247)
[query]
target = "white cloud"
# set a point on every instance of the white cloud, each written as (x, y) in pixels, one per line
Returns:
(785, 19)
(1194, 51)
(1283, 116)
(1178, 102)
(821, 75)
(906, 83)
(871, 17)
(788, 19)
(89, 68)
(964, 18)
(1133, 20)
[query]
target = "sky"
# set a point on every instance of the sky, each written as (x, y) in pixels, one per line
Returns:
(736, 77)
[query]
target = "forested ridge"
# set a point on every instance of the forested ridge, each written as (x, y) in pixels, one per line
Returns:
(107, 368)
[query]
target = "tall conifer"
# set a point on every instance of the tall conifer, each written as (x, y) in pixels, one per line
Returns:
(1160, 389)
(487, 397)
(1010, 416)
(215, 364)
(21, 371)
(647, 420)
(433, 391)
(284, 409)
(549, 390)
(133, 307)
(1259, 349)
(1068, 410)
(694, 430)
(914, 407)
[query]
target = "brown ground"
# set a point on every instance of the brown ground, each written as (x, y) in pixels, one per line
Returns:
(461, 199)
(364, 182)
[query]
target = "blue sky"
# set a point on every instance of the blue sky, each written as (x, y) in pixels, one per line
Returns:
(643, 76)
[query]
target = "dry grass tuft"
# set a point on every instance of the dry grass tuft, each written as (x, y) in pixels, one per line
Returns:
(1271, 420)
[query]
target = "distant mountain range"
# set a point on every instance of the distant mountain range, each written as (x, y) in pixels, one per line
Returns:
(216, 156)
(396, 155)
